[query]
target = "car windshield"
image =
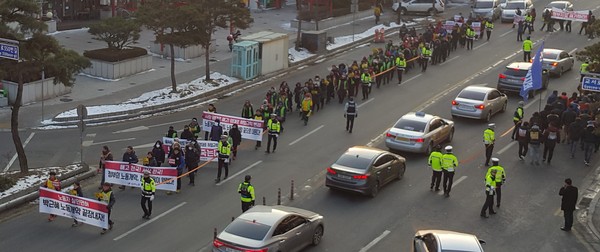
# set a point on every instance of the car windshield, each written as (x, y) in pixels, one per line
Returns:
(248, 229)
(482, 5)
(556, 5)
(472, 95)
(550, 55)
(411, 125)
(354, 161)
(515, 5)
(515, 72)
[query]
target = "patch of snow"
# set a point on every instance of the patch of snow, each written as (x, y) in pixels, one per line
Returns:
(98, 78)
(159, 97)
(84, 29)
(37, 177)
(344, 40)
(299, 55)
(166, 57)
(288, 26)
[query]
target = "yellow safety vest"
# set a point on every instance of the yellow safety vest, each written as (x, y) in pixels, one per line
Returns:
(435, 160)
(401, 62)
(527, 45)
(366, 78)
(148, 187)
(274, 128)
(488, 136)
(489, 25)
(224, 150)
(518, 114)
(583, 67)
(105, 196)
(449, 162)
(247, 192)
(500, 174)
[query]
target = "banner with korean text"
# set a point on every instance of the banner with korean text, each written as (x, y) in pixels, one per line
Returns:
(250, 129)
(122, 173)
(449, 25)
(581, 16)
(518, 18)
(208, 149)
(476, 27)
(83, 210)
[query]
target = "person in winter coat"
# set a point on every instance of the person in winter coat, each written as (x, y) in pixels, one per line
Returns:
(236, 136)
(129, 157)
(187, 133)
(211, 109)
(192, 158)
(535, 139)
(523, 139)
(159, 153)
(76, 191)
(574, 133)
(149, 160)
(216, 131)
(247, 110)
(176, 160)
(535, 119)
(551, 138)
(589, 140)
(171, 133)
(105, 155)
(566, 118)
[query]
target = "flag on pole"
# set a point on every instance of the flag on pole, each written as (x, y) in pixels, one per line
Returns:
(533, 79)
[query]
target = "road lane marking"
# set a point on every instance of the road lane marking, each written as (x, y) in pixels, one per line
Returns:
(92, 135)
(572, 51)
(134, 129)
(369, 100)
(455, 183)
(451, 59)
(302, 67)
(479, 46)
(12, 160)
(508, 146)
(149, 221)
(109, 141)
(414, 77)
(143, 146)
(321, 60)
(506, 33)
(169, 123)
(497, 63)
(375, 241)
(376, 139)
(307, 134)
(240, 172)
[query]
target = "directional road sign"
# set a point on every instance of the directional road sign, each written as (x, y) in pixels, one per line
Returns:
(591, 84)
(9, 49)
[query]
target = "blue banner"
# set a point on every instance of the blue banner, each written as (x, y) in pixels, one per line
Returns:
(533, 79)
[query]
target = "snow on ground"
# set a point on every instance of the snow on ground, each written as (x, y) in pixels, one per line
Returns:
(344, 40)
(299, 55)
(158, 97)
(85, 29)
(36, 178)
(113, 80)
(165, 57)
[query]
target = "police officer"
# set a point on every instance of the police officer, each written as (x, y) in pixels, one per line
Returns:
(246, 190)
(425, 56)
(500, 178)
(400, 66)
(470, 37)
(224, 150)
(366, 83)
(350, 112)
(490, 184)
(518, 119)
(449, 164)
(489, 27)
(435, 162)
(583, 70)
(148, 190)
(527, 46)
(489, 137)
(274, 127)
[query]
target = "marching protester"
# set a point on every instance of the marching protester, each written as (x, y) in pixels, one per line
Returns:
(148, 191)
(247, 110)
(187, 134)
(259, 117)
(172, 133)
(158, 153)
(192, 158)
(129, 157)
(107, 196)
(212, 109)
(216, 130)
(52, 183)
(194, 128)
(76, 191)
(236, 137)
(105, 155)
(176, 159)
(149, 160)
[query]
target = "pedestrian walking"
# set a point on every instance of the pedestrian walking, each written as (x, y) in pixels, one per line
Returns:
(224, 150)
(523, 139)
(435, 162)
(259, 117)
(350, 112)
(211, 109)
(107, 196)
(159, 153)
(535, 139)
(520, 30)
(527, 46)
(105, 155)
(76, 191)
(569, 195)
(149, 160)
(148, 191)
(490, 184)
(400, 66)
(177, 160)
(307, 104)
(274, 128)
(589, 142)
(489, 27)
(574, 134)
(489, 138)
(171, 133)
(425, 56)
(500, 179)
(365, 83)
(216, 130)
(551, 138)
(449, 164)
(129, 157)
(518, 118)
(247, 110)
(192, 158)
(236, 137)
(246, 191)
(377, 13)
(470, 33)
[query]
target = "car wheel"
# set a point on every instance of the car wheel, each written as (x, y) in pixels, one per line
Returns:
(451, 136)
(504, 107)
(488, 117)
(375, 190)
(401, 172)
(317, 236)
(432, 12)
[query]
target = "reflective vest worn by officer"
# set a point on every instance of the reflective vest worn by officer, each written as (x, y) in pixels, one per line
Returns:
(489, 26)
(500, 174)
(489, 136)
(148, 187)
(400, 63)
(365, 78)
(449, 162)
(274, 127)
(246, 191)
(435, 160)
(470, 33)
(518, 116)
(490, 184)
(351, 108)
(426, 52)
(527, 45)
(583, 68)
(224, 150)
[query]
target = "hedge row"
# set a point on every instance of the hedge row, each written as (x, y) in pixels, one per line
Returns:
(115, 55)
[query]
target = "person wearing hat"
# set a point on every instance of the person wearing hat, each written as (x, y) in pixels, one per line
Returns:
(194, 128)
(490, 186)
(306, 107)
(274, 127)
(518, 119)
(216, 130)
(187, 134)
(489, 138)
(148, 190)
(172, 133)
(449, 164)
(177, 160)
(535, 139)
(246, 191)
(500, 178)
(435, 162)
(224, 149)
(52, 183)
(76, 191)
(107, 196)
(192, 158)
(527, 46)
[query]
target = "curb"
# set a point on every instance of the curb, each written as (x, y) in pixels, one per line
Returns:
(32, 193)
(587, 208)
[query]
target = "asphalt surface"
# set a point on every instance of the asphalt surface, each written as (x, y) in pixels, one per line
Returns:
(529, 219)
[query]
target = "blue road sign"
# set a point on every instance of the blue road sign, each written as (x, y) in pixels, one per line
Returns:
(591, 84)
(9, 50)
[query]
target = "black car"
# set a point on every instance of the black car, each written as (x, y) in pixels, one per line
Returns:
(511, 80)
(365, 170)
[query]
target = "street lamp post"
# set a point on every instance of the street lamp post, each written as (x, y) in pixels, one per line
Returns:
(354, 9)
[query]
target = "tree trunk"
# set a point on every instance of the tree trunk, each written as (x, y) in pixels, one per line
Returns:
(14, 127)
(207, 60)
(298, 36)
(173, 81)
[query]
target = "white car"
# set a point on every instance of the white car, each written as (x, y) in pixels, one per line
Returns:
(442, 240)
(510, 10)
(429, 7)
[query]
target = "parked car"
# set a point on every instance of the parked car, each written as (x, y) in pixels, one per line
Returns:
(478, 102)
(429, 7)
(510, 10)
(271, 228)
(442, 240)
(365, 170)
(513, 76)
(419, 132)
(557, 61)
(489, 9)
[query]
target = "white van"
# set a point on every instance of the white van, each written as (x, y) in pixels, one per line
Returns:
(429, 7)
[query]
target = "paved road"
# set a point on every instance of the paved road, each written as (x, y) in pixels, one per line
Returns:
(527, 221)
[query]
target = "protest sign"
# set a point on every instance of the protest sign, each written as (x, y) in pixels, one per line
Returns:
(581, 16)
(449, 25)
(122, 173)
(208, 149)
(250, 129)
(83, 210)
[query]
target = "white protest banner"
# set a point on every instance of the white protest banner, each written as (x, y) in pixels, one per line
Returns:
(208, 149)
(83, 210)
(449, 25)
(476, 27)
(251, 129)
(122, 173)
(581, 16)
(518, 18)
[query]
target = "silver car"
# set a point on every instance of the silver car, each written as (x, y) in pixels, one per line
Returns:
(419, 132)
(489, 9)
(563, 5)
(478, 102)
(557, 61)
(442, 240)
(271, 228)
(509, 11)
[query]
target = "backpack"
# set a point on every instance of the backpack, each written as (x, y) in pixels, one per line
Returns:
(522, 132)
(552, 135)
(534, 135)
